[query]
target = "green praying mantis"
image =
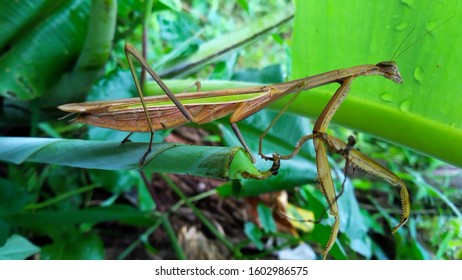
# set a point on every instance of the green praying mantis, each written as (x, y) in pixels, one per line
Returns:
(148, 114)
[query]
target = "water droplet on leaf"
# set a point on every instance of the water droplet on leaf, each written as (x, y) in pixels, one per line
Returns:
(387, 97)
(402, 26)
(419, 74)
(409, 3)
(405, 106)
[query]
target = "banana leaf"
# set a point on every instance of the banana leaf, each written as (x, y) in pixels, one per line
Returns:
(423, 113)
(213, 162)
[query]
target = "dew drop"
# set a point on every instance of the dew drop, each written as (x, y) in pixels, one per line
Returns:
(402, 26)
(430, 26)
(409, 3)
(405, 106)
(374, 46)
(387, 97)
(419, 74)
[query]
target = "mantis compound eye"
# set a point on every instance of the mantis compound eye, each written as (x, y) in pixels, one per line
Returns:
(390, 71)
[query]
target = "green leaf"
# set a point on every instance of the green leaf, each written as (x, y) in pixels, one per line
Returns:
(320, 234)
(14, 15)
(269, 74)
(352, 223)
(119, 181)
(75, 245)
(444, 244)
(36, 50)
(17, 248)
(55, 49)
(322, 231)
(5, 230)
(265, 214)
(214, 162)
(423, 113)
(210, 51)
(89, 66)
(420, 181)
(115, 181)
(145, 200)
(12, 198)
(244, 4)
(254, 234)
(48, 218)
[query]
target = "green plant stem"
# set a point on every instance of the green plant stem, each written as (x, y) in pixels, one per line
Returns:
(60, 197)
(171, 235)
(142, 238)
(192, 199)
(197, 212)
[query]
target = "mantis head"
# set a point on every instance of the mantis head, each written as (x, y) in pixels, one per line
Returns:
(390, 70)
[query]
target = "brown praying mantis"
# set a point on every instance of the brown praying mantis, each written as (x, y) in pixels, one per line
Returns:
(148, 114)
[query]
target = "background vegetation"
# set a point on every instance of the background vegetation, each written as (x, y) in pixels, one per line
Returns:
(76, 53)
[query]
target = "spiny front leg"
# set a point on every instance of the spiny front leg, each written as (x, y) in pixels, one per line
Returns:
(370, 166)
(327, 187)
(324, 119)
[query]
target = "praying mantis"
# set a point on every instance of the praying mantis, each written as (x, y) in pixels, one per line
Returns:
(148, 114)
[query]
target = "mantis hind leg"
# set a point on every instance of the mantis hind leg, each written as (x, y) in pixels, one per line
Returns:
(131, 51)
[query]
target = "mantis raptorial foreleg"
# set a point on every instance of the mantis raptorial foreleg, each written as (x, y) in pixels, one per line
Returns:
(327, 186)
(322, 164)
(345, 153)
(354, 156)
(368, 165)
